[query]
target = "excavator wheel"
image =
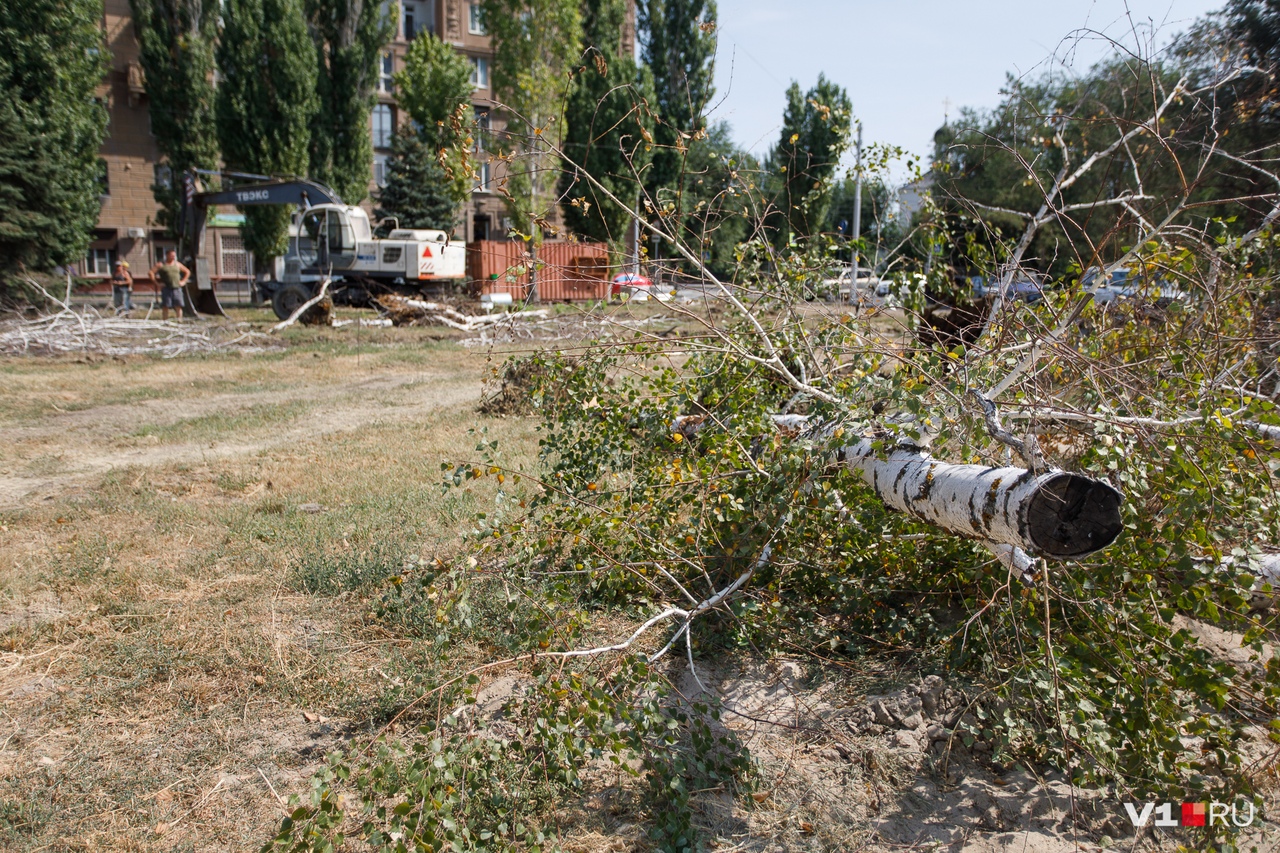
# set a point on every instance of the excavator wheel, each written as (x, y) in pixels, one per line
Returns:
(289, 298)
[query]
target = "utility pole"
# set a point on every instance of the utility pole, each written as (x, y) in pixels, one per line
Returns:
(535, 232)
(635, 243)
(857, 212)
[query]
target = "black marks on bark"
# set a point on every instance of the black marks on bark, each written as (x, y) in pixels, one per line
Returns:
(989, 503)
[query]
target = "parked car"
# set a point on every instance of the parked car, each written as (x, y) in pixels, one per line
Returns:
(1026, 288)
(632, 285)
(1127, 284)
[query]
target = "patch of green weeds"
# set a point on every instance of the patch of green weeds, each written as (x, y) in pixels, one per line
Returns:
(332, 572)
(141, 658)
(22, 819)
(465, 783)
(91, 557)
(233, 482)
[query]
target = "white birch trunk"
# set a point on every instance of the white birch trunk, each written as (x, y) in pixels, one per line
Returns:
(1058, 515)
(1014, 559)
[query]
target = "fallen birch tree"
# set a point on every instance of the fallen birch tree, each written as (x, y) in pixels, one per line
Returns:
(1045, 513)
(750, 526)
(1056, 514)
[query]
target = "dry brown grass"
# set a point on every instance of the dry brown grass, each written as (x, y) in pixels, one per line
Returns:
(164, 683)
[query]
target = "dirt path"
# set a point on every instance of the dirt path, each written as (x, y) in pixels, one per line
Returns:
(71, 449)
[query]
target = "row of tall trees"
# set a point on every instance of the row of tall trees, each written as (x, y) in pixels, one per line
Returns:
(297, 79)
(51, 59)
(295, 86)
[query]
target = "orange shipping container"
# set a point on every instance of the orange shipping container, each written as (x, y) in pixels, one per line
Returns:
(567, 272)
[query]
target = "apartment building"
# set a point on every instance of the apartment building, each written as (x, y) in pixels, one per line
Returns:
(131, 162)
(126, 226)
(458, 23)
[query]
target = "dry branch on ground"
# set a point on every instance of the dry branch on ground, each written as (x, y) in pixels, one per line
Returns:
(87, 331)
(503, 328)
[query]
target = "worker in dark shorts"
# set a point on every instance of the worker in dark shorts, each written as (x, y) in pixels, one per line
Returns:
(122, 288)
(172, 277)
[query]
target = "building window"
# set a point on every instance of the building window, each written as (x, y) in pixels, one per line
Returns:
(418, 18)
(410, 21)
(475, 25)
(163, 176)
(385, 70)
(384, 125)
(380, 169)
(235, 257)
(480, 72)
(99, 261)
(104, 178)
(482, 175)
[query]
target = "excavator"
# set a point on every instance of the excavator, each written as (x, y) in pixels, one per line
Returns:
(327, 240)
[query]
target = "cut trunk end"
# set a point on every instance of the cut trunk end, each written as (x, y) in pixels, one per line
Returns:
(1070, 515)
(1057, 514)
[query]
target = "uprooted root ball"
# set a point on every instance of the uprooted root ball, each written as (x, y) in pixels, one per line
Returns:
(511, 389)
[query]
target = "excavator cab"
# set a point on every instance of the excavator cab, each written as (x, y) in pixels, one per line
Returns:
(329, 234)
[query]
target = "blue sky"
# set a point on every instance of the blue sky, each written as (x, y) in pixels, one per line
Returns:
(902, 61)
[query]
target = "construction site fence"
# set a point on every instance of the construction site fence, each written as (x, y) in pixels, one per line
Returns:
(566, 271)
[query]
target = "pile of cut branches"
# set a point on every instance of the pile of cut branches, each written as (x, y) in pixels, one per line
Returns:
(511, 327)
(87, 331)
(404, 311)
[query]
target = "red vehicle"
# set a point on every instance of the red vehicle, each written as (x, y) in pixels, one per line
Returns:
(632, 284)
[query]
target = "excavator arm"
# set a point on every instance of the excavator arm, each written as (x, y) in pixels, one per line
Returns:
(298, 192)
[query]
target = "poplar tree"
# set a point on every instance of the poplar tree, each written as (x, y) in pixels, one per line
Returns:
(607, 128)
(535, 44)
(435, 90)
(815, 133)
(52, 57)
(678, 47)
(176, 41)
(350, 37)
(265, 104)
